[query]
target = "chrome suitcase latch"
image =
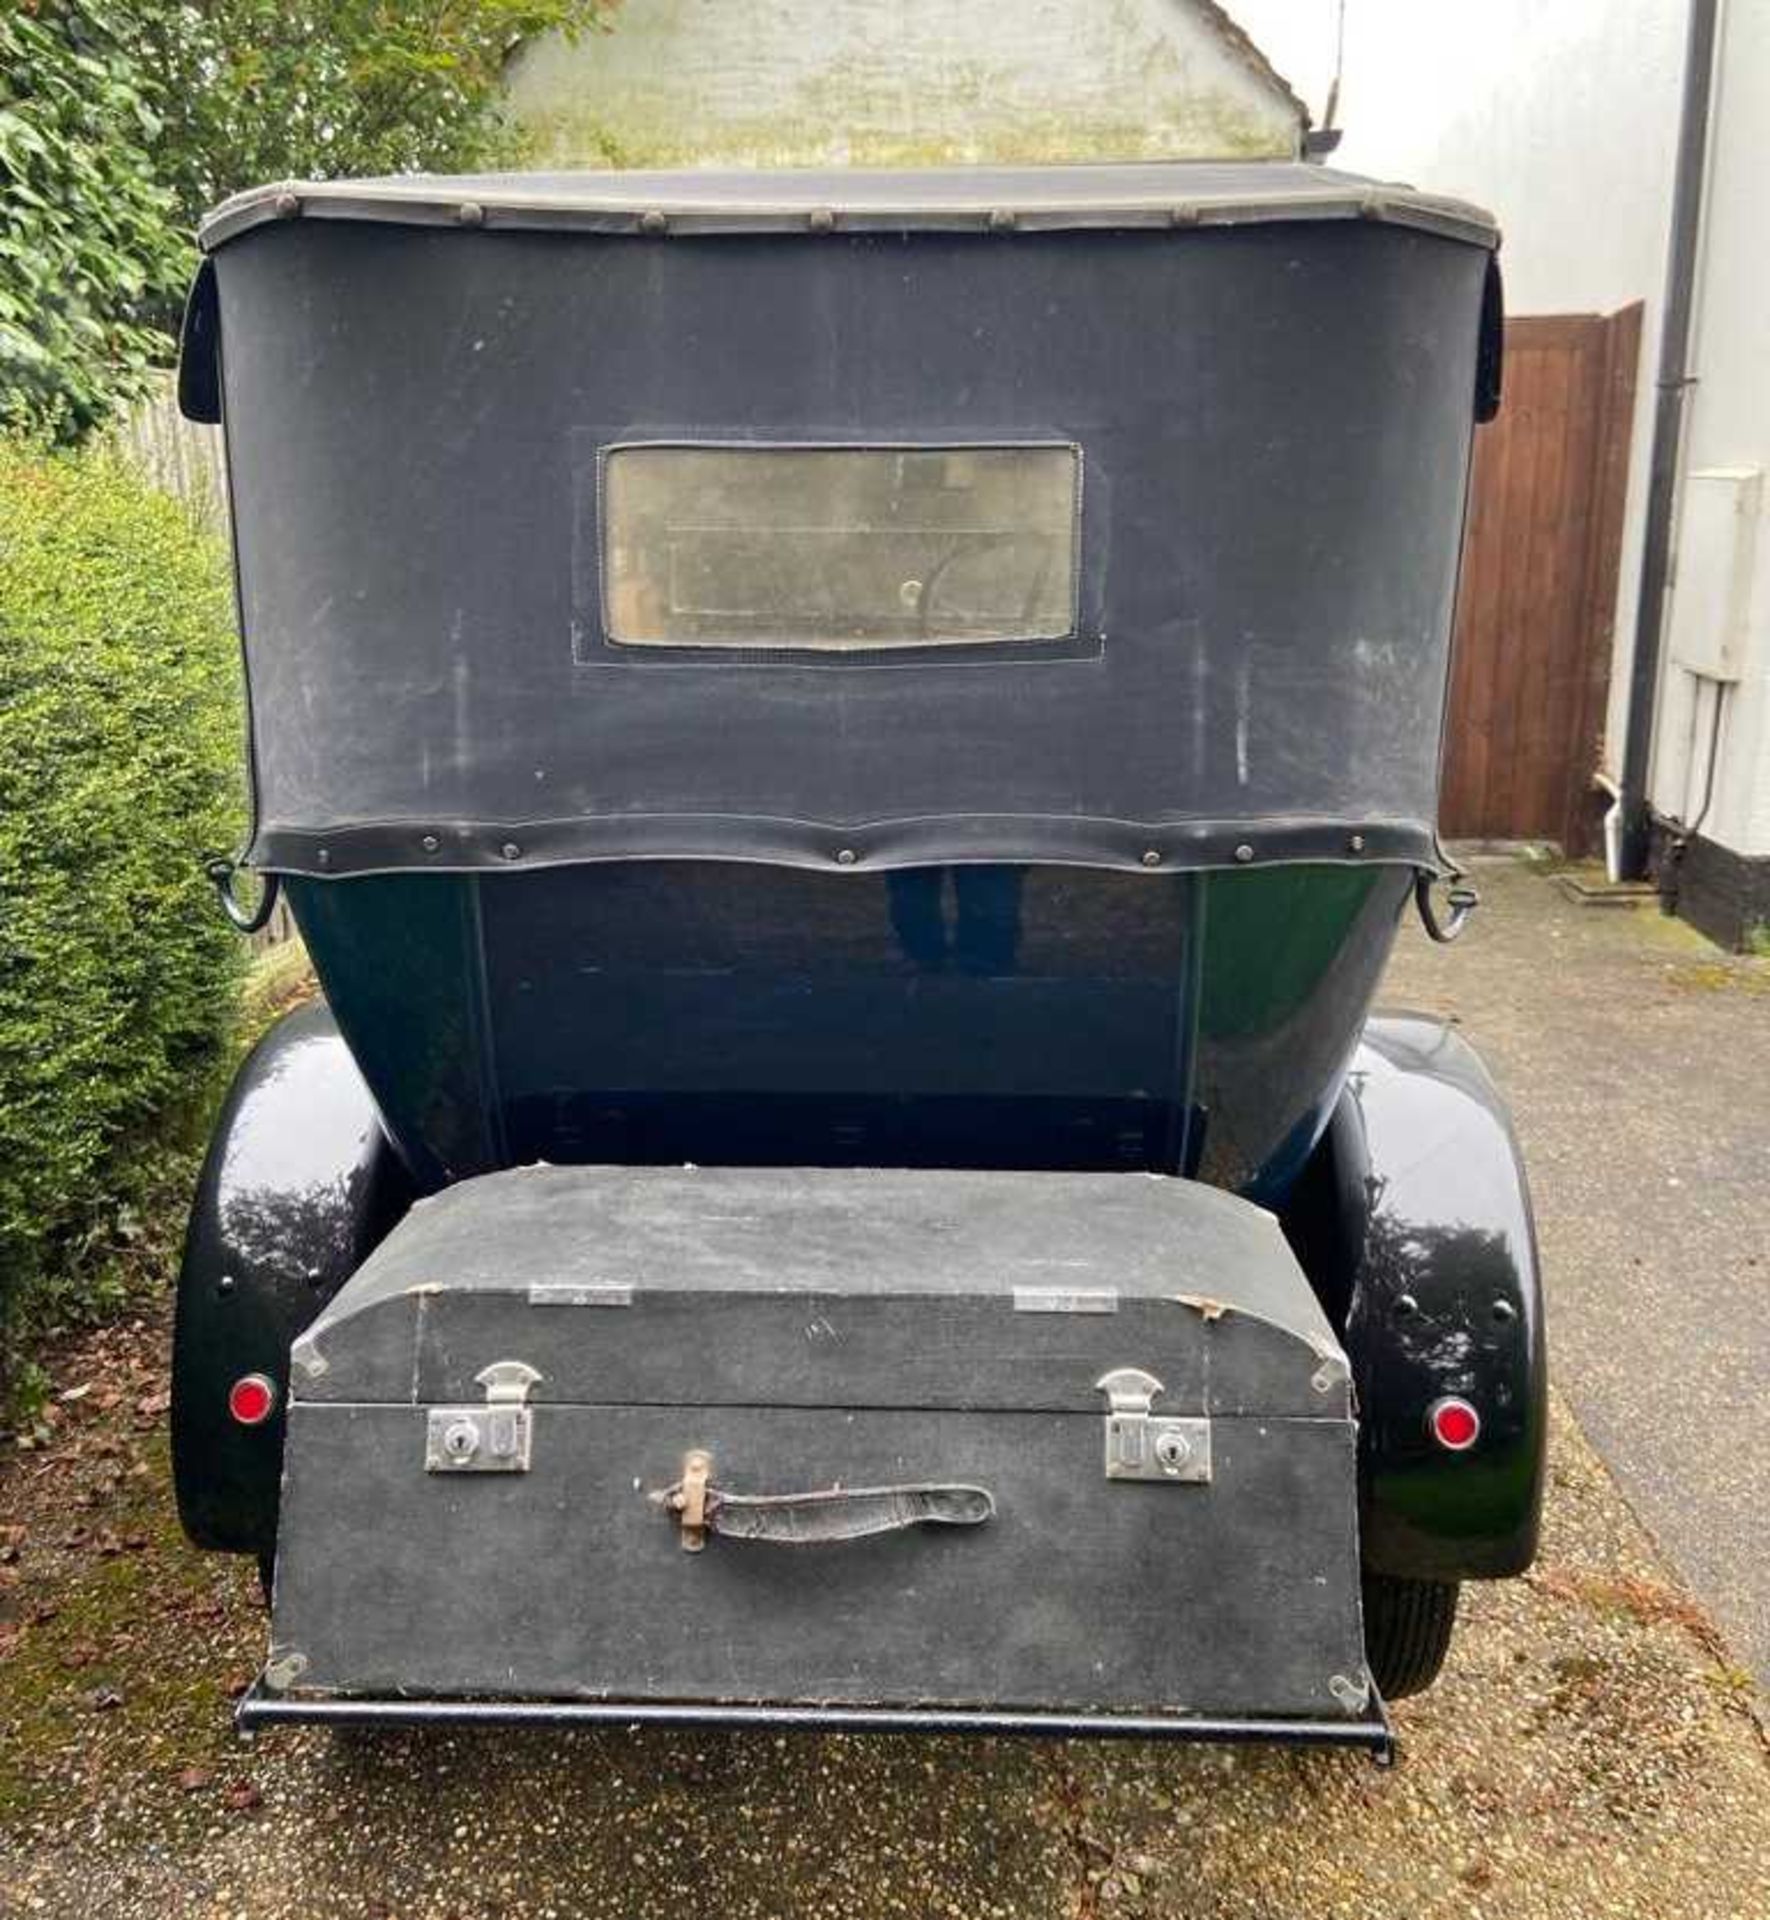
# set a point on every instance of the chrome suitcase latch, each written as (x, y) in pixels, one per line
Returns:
(494, 1438)
(1141, 1445)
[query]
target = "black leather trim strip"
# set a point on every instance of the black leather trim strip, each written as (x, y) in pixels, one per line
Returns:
(942, 840)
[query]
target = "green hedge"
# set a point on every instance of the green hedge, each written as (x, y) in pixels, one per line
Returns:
(119, 744)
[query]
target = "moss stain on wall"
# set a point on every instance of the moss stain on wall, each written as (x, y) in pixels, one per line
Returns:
(567, 137)
(675, 84)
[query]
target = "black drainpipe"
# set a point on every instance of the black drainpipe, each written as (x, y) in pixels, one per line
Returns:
(1668, 429)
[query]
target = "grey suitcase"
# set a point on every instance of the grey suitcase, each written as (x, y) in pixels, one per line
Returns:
(839, 1445)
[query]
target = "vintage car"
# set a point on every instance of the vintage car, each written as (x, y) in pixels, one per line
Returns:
(849, 749)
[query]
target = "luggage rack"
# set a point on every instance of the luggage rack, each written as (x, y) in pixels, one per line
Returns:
(259, 1708)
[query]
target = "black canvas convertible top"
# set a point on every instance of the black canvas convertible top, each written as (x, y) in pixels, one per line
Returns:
(934, 198)
(1103, 515)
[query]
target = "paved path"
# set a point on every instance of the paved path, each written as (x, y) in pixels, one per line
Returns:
(1637, 1060)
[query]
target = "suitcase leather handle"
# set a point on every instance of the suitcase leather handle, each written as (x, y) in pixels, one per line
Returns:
(816, 1518)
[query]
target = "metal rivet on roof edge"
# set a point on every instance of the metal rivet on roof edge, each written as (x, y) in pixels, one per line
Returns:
(510, 850)
(822, 220)
(846, 857)
(1244, 853)
(1152, 857)
(1334, 197)
(470, 213)
(1002, 221)
(654, 222)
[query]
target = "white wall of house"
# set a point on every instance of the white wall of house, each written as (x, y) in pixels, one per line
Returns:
(1727, 427)
(896, 82)
(1563, 118)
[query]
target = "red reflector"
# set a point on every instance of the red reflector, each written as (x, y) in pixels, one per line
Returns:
(1453, 1423)
(252, 1399)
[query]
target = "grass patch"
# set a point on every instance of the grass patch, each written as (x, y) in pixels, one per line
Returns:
(1720, 976)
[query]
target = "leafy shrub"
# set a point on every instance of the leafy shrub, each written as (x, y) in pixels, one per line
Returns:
(123, 121)
(257, 90)
(89, 250)
(119, 736)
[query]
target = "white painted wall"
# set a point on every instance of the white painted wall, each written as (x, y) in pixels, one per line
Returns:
(1728, 425)
(1559, 115)
(889, 82)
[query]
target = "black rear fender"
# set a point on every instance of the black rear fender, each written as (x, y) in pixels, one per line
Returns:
(299, 1185)
(1414, 1223)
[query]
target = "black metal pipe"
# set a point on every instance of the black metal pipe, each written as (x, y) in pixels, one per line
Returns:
(1668, 430)
(1671, 878)
(261, 1708)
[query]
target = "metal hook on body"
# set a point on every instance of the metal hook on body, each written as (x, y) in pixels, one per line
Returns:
(1462, 900)
(245, 919)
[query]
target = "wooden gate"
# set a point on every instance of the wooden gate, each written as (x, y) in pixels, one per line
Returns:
(1537, 607)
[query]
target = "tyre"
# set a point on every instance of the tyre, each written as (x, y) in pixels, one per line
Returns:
(1407, 1629)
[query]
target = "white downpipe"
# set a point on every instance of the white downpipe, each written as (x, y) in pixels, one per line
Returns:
(1613, 819)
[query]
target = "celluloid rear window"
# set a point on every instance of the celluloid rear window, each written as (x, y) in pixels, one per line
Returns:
(839, 548)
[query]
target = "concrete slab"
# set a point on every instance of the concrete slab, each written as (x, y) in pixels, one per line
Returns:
(1637, 1059)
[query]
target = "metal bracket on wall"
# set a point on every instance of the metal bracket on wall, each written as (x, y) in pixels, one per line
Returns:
(494, 1438)
(1141, 1445)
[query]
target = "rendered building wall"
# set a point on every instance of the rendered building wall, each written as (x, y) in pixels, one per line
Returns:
(899, 82)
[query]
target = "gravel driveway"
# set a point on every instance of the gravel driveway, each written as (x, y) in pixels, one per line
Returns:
(1592, 1750)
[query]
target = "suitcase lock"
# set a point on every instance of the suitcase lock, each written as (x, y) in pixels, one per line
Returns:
(494, 1438)
(1141, 1445)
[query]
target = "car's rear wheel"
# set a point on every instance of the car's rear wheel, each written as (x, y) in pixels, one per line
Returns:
(1407, 1629)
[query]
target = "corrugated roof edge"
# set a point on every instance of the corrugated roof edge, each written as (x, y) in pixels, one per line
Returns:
(1033, 199)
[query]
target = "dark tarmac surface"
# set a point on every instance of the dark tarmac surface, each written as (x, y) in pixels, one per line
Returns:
(1636, 1057)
